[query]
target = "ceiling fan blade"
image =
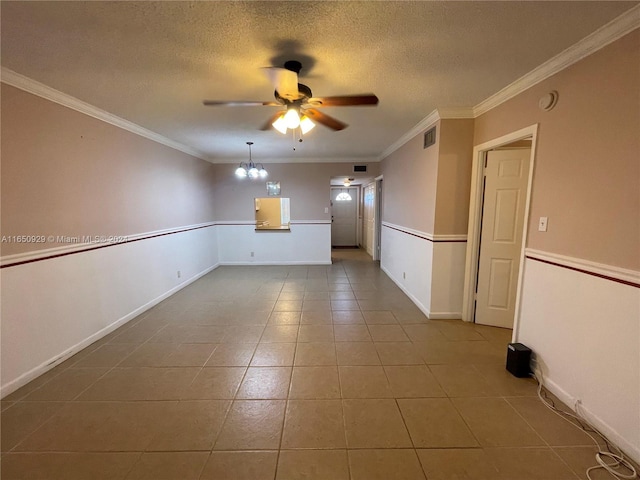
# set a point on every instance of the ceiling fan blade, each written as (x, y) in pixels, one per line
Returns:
(324, 119)
(269, 123)
(239, 103)
(345, 100)
(284, 81)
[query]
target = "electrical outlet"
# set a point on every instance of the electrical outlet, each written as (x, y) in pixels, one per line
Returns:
(252, 254)
(179, 274)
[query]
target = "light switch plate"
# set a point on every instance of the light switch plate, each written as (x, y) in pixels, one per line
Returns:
(326, 209)
(542, 224)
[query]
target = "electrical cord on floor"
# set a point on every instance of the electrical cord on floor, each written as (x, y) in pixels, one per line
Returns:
(608, 460)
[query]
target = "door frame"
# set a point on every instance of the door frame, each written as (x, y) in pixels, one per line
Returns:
(377, 227)
(358, 201)
(364, 219)
(475, 219)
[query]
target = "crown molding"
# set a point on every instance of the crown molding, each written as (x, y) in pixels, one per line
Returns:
(455, 113)
(425, 123)
(617, 28)
(274, 160)
(34, 87)
(612, 31)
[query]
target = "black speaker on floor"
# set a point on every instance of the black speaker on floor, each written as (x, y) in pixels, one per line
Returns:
(518, 358)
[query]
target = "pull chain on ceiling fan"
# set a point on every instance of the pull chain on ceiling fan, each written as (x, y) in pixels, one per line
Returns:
(301, 107)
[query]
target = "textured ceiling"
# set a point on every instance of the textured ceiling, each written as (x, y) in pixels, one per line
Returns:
(153, 63)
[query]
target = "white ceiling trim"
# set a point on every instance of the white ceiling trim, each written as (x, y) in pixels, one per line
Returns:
(605, 35)
(450, 113)
(425, 123)
(612, 31)
(428, 122)
(354, 160)
(41, 90)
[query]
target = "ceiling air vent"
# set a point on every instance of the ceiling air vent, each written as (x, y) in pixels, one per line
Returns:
(429, 137)
(359, 168)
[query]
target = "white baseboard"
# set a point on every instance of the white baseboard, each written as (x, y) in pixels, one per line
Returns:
(632, 451)
(584, 332)
(53, 362)
(445, 315)
(283, 263)
(417, 302)
(430, 315)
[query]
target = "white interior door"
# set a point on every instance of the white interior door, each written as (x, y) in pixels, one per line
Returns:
(505, 193)
(369, 217)
(344, 218)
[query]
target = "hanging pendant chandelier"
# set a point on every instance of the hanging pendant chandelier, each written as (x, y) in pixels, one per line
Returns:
(250, 169)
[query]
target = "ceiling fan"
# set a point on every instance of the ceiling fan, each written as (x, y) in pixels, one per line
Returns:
(301, 107)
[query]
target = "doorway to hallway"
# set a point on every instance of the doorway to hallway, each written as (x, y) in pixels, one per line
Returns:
(344, 217)
(353, 255)
(498, 219)
(506, 175)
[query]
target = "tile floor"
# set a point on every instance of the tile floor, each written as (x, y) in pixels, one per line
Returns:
(276, 372)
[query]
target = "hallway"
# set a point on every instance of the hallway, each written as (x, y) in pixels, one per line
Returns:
(287, 372)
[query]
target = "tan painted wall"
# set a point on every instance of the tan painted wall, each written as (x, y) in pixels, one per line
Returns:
(587, 166)
(428, 189)
(306, 184)
(65, 173)
(410, 179)
(454, 177)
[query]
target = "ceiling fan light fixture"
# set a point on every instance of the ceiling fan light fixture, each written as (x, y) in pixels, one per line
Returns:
(292, 118)
(306, 124)
(280, 124)
(299, 102)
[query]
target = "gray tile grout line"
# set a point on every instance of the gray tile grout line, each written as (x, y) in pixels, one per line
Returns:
(235, 394)
(549, 446)
(245, 368)
(344, 420)
(63, 401)
(286, 403)
(483, 447)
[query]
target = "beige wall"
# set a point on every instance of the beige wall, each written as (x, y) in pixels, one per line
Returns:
(454, 177)
(410, 180)
(428, 189)
(65, 173)
(587, 166)
(306, 184)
